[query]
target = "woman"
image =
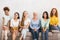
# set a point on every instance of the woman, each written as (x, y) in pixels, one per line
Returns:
(54, 19)
(35, 25)
(45, 25)
(24, 24)
(14, 24)
(5, 24)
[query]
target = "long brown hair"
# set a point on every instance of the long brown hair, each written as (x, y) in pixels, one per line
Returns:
(56, 14)
(23, 19)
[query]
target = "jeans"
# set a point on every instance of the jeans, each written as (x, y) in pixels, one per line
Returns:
(35, 34)
(24, 32)
(44, 35)
(59, 28)
(54, 28)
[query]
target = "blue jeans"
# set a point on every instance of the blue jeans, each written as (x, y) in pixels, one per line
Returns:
(35, 34)
(59, 28)
(54, 28)
(44, 35)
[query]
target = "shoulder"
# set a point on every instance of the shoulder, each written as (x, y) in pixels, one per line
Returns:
(48, 19)
(4, 15)
(42, 19)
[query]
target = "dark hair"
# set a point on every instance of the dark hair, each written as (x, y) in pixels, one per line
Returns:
(18, 15)
(46, 14)
(56, 14)
(6, 8)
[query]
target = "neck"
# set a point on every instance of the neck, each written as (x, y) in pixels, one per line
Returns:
(15, 18)
(25, 17)
(7, 14)
(53, 14)
(44, 18)
(34, 18)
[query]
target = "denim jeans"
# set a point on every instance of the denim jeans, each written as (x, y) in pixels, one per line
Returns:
(44, 35)
(54, 28)
(35, 34)
(59, 28)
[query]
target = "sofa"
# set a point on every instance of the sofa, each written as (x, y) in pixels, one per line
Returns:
(51, 36)
(55, 35)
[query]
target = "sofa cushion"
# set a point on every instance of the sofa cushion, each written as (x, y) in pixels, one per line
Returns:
(29, 34)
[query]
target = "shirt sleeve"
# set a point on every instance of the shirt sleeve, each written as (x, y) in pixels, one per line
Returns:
(47, 25)
(57, 21)
(11, 24)
(31, 25)
(42, 23)
(51, 22)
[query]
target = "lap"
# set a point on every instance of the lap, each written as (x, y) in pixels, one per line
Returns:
(4, 27)
(53, 27)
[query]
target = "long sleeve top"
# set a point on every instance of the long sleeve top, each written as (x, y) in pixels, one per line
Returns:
(35, 24)
(54, 20)
(45, 24)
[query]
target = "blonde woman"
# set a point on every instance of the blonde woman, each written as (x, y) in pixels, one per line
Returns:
(14, 24)
(24, 24)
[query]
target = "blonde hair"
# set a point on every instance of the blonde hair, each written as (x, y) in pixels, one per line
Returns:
(23, 19)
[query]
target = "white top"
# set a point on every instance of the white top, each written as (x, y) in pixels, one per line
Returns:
(6, 19)
(26, 21)
(14, 23)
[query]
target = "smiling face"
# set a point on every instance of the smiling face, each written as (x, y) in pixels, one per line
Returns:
(45, 15)
(16, 16)
(35, 15)
(25, 14)
(54, 11)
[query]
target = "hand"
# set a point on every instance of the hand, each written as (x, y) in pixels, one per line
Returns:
(44, 30)
(20, 29)
(24, 27)
(4, 27)
(35, 29)
(55, 25)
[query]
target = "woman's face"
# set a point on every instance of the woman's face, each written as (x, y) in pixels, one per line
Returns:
(35, 15)
(45, 15)
(25, 14)
(15, 15)
(54, 11)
